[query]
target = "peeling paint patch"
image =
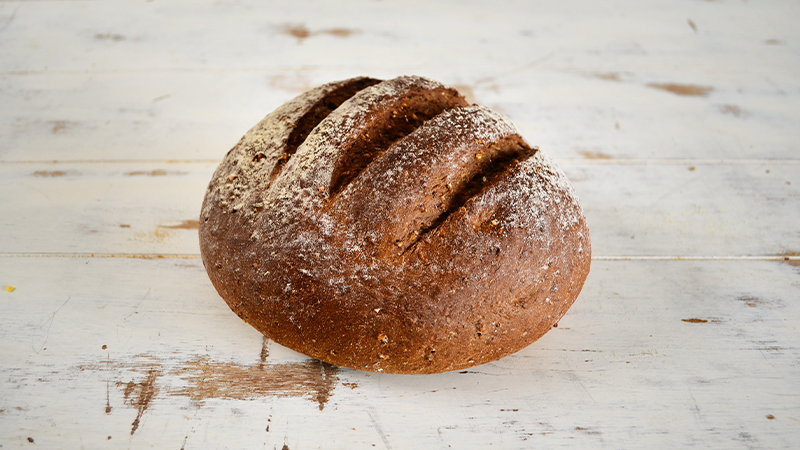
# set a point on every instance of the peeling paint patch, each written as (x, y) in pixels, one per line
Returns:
(300, 31)
(188, 224)
(208, 379)
(683, 89)
(154, 173)
(140, 395)
(199, 378)
(731, 109)
(593, 155)
(109, 37)
(49, 173)
(609, 76)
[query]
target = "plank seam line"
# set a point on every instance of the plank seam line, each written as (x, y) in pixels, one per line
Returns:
(594, 258)
(565, 161)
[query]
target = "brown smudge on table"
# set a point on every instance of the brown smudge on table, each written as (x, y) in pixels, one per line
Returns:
(189, 224)
(683, 89)
(59, 126)
(108, 399)
(301, 32)
(587, 430)
(594, 155)
(298, 31)
(49, 173)
(752, 302)
(140, 395)
(731, 109)
(339, 32)
(692, 25)
(154, 173)
(608, 76)
(109, 37)
(774, 42)
(694, 320)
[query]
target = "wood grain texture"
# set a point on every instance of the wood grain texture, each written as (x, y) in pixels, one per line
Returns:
(624, 368)
(677, 122)
(661, 209)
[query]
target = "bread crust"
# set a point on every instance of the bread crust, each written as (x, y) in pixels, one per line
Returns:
(407, 232)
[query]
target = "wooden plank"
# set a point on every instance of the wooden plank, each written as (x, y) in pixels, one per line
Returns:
(576, 114)
(658, 209)
(680, 354)
(594, 86)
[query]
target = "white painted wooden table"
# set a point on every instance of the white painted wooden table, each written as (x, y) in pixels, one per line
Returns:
(678, 123)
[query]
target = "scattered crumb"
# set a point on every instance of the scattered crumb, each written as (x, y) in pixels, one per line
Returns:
(770, 417)
(10, 288)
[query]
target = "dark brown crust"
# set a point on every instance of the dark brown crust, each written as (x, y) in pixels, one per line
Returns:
(409, 233)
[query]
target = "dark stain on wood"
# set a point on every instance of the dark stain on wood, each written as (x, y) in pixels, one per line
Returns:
(206, 379)
(109, 37)
(154, 173)
(339, 32)
(298, 31)
(301, 32)
(59, 126)
(788, 258)
(594, 155)
(49, 173)
(140, 395)
(694, 320)
(752, 302)
(609, 76)
(733, 110)
(264, 352)
(108, 399)
(210, 379)
(189, 224)
(683, 89)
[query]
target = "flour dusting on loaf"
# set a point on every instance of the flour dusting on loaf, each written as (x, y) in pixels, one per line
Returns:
(391, 227)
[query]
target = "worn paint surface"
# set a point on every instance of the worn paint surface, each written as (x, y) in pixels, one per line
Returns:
(676, 122)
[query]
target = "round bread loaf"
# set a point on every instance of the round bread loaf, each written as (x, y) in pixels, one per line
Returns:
(389, 226)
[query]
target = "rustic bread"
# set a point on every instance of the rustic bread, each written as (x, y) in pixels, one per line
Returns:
(391, 227)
